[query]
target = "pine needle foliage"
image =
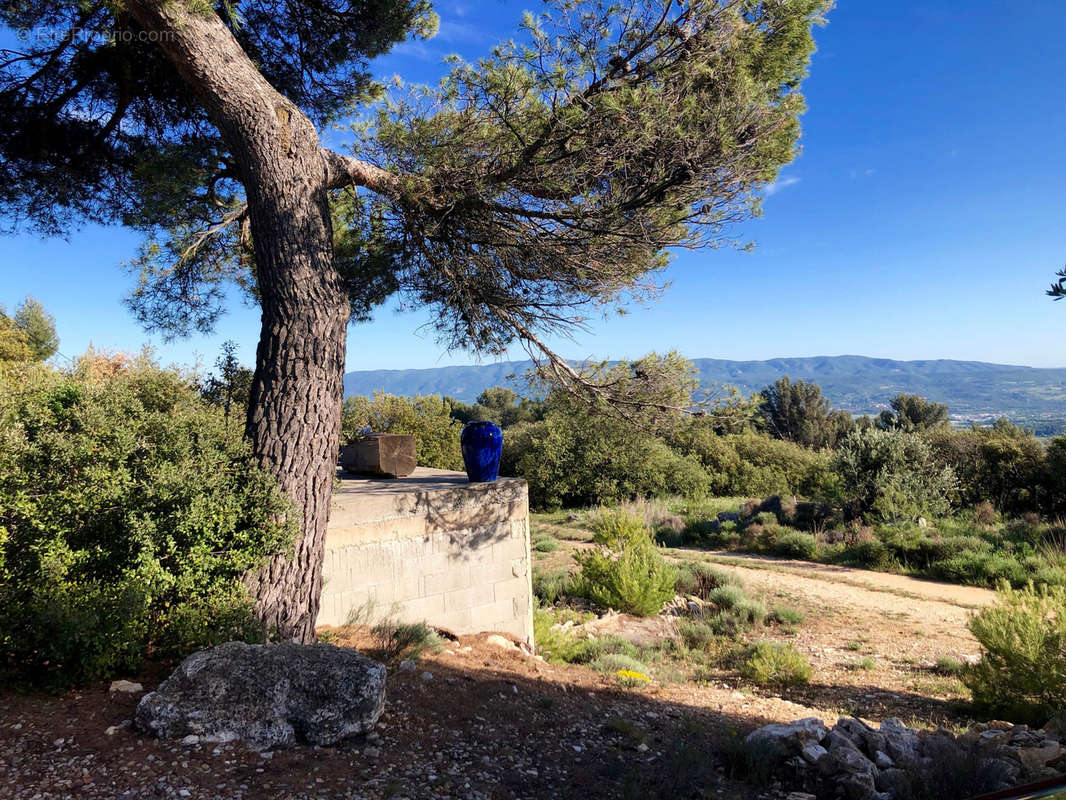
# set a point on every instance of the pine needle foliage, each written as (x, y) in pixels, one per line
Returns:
(1022, 672)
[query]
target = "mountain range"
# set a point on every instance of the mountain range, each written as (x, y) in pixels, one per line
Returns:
(972, 390)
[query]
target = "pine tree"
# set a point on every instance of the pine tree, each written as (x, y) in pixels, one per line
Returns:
(540, 183)
(38, 328)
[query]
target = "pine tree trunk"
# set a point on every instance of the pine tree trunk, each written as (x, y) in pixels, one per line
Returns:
(295, 406)
(294, 417)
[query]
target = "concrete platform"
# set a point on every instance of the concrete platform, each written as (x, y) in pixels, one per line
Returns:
(430, 547)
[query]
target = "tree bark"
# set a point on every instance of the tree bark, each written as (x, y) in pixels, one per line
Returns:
(294, 415)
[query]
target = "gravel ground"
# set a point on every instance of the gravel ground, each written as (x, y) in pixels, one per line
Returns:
(479, 721)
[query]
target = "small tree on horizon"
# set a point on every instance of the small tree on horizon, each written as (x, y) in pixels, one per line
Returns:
(541, 184)
(38, 329)
(912, 412)
(798, 412)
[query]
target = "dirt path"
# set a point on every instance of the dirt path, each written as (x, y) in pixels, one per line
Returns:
(884, 582)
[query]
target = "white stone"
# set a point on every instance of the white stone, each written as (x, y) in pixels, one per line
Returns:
(126, 687)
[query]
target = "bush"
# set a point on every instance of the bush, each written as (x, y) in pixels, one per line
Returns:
(1022, 673)
(575, 458)
(549, 587)
(984, 513)
(891, 476)
(396, 641)
(728, 596)
(544, 543)
(694, 578)
(616, 662)
(697, 634)
(980, 569)
(797, 545)
(627, 573)
(129, 510)
(783, 615)
(752, 465)
(736, 611)
(428, 418)
(773, 664)
(554, 644)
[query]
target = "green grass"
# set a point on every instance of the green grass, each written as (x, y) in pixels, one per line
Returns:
(946, 665)
(775, 664)
(783, 615)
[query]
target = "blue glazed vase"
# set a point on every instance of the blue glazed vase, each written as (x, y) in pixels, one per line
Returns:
(481, 443)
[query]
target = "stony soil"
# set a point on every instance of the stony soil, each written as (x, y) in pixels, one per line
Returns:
(480, 721)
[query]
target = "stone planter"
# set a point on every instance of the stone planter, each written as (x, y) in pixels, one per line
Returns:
(387, 455)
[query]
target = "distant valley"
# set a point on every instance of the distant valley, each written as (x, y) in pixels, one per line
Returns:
(972, 390)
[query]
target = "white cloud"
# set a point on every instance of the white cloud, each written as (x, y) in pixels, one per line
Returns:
(454, 32)
(781, 183)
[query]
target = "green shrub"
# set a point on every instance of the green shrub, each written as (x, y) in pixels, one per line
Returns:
(753, 465)
(891, 476)
(627, 572)
(545, 543)
(980, 569)
(428, 418)
(614, 662)
(607, 644)
(697, 634)
(396, 641)
(737, 612)
(1022, 672)
(549, 587)
(576, 458)
(797, 545)
(782, 615)
(871, 553)
(773, 664)
(728, 596)
(698, 579)
(129, 510)
(734, 622)
(554, 644)
(617, 528)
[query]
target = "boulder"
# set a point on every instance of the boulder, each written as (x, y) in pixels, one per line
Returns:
(856, 761)
(783, 739)
(901, 743)
(267, 696)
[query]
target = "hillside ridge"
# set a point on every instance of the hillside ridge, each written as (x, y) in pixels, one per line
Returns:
(973, 390)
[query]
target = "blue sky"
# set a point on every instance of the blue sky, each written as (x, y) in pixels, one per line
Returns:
(923, 219)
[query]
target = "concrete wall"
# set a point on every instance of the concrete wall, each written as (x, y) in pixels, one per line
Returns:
(431, 547)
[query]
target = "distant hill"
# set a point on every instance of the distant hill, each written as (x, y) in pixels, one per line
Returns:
(972, 390)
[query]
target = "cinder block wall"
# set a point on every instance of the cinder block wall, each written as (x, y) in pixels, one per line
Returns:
(431, 547)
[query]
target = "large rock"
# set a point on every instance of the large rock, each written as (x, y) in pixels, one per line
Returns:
(859, 762)
(780, 740)
(267, 695)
